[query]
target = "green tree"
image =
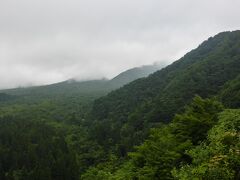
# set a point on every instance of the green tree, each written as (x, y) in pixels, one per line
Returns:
(219, 156)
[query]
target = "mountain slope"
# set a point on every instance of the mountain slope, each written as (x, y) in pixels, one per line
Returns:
(133, 74)
(148, 101)
(94, 88)
(68, 101)
(230, 94)
(53, 128)
(5, 97)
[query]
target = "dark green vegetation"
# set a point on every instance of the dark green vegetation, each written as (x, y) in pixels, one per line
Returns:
(181, 122)
(5, 97)
(230, 94)
(32, 149)
(144, 103)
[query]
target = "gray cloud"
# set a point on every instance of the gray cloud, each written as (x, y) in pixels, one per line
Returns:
(45, 41)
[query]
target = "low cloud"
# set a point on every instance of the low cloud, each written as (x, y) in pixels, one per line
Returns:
(47, 41)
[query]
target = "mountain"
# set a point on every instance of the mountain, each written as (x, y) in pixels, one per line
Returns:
(144, 103)
(133, 74)
(91, 88)
(230, 94)
(5, 97)
(154, 127)
(68, 101)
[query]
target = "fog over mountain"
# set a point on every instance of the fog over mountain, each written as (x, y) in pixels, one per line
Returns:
(47, 41)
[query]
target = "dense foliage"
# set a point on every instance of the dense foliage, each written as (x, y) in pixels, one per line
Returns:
(230, 94)
(218, 157)
(153, 128)
(166, 146)
(146, 102)
(34, 150)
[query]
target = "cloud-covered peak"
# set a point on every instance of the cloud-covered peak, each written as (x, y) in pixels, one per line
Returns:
(46, 41)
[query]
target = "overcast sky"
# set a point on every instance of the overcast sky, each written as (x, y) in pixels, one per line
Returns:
(46, 41)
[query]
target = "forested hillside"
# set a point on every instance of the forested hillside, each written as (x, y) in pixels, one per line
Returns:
(200, 143)
(181, 122)
(230, 94)
(133, 74)
(5, 97)
(67, 101)
(146, 102)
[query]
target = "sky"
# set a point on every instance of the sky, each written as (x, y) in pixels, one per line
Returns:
(47, 41)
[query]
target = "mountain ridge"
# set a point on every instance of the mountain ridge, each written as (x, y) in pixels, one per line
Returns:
(146, 102)
(73, 86)
(155, 127)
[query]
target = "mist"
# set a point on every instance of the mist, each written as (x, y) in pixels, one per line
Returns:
(49, 41)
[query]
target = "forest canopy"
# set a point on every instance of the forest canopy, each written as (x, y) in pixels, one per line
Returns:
(181, 122)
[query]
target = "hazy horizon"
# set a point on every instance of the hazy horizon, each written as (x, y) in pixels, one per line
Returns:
(160, 64)
(44, 42)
